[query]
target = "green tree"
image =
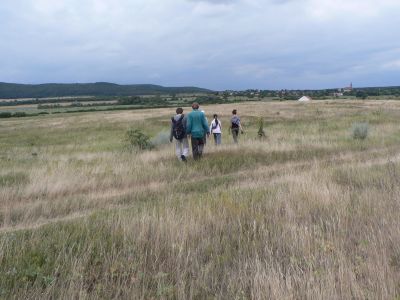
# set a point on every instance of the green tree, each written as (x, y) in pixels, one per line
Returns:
(361, 94)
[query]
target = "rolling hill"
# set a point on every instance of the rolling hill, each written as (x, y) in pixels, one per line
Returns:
(13, 90)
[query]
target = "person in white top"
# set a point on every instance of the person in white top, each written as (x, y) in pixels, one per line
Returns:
(178, 131)
(216, 129)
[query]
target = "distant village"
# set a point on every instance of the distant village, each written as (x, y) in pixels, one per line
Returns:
(344, 92)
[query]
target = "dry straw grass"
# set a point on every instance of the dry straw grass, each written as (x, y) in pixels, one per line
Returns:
(307, 213)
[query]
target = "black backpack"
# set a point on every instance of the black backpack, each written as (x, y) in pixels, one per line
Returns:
(215, 125)
(178, 129)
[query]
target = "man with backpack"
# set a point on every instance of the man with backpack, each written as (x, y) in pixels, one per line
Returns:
(235, 126)
(197, 128)
(178, 131)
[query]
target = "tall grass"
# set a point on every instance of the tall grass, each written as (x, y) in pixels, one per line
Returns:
(308, 213)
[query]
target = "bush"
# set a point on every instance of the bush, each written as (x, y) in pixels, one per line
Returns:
(360, 131)
(361, 94)
(161, 138)
(137, 139)
(5, 114)
(19, 114)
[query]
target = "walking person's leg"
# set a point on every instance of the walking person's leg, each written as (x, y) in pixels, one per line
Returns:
(215, 138)
(218, 139)
(195, 148)
(185, 150)
(235, 133)
(200, 147)
(178, 149)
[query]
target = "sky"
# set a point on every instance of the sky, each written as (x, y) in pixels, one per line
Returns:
(216, 44)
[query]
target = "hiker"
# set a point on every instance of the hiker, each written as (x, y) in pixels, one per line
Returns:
(216, 129)
(197, 128)
(235, 126)
(178, 131)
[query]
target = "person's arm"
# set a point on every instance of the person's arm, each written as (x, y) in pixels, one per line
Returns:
(184, 121)
(171, 135)
(205, 125)
(188, 125)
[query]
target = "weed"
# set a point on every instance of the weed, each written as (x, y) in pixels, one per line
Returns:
(360, 131)
(261, 132)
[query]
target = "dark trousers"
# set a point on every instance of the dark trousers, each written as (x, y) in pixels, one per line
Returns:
(235, 134)
(197, 147)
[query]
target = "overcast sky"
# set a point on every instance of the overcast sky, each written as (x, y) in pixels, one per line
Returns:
(217, 44)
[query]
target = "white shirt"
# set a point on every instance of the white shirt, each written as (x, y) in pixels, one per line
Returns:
(217, 129)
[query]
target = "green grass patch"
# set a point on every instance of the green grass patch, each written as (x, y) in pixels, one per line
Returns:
(14, 178)
(381, 177)
(205, 185)
(225, 162)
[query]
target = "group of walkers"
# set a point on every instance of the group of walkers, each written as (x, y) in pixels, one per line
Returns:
(195, 127)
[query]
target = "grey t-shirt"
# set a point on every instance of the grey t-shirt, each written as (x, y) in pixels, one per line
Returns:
(235, 120)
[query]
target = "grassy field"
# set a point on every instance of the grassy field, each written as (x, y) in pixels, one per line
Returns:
(308, 212)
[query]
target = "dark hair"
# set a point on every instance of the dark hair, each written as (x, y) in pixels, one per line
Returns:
(215, 116)
(216, 120)
(195, 105)
(234, 111)
(179, 110)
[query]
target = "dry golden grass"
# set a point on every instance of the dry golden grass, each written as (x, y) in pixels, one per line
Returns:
(306, 213)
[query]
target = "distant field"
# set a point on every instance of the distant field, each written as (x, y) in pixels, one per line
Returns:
(35, 107)
(48, 98)
(308, 212)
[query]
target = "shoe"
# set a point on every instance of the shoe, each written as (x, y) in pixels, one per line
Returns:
(183, 157)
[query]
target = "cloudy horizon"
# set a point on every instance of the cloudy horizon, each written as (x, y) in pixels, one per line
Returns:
(220, 44)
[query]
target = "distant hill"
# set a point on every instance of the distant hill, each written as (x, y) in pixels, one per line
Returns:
(14, 90)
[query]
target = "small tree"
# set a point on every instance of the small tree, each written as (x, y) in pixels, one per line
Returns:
(261, 132)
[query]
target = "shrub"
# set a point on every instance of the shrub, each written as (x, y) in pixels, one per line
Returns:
(5, 114)
(360, 131)
(161, 138)
(137, 139)
(19, 114)
(261, 132)
(361, 94)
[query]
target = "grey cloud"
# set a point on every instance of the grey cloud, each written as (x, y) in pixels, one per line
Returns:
(215, 1)
(243, 45)
(283, 1)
